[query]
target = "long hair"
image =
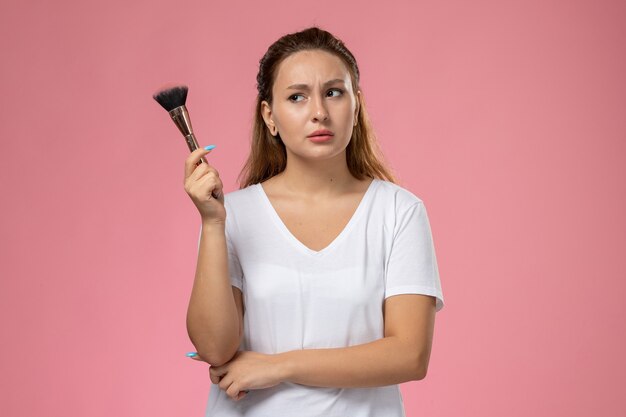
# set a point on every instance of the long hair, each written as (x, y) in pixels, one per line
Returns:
(268, 156)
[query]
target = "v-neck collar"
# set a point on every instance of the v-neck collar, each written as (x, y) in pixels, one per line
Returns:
(301, 246)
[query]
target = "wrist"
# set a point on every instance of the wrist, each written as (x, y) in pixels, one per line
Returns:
(284, 366)
(213, 225)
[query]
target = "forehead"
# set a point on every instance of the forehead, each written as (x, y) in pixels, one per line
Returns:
(310, 67)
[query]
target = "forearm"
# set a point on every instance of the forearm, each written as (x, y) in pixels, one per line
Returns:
(212, 317)
(382, 362)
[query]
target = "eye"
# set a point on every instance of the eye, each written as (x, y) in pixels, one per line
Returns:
(291, 98)
(339, 90)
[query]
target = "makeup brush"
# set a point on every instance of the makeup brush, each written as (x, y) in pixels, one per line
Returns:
(173, 100)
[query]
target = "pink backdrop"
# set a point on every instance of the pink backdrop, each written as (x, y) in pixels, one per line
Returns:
(507, 118)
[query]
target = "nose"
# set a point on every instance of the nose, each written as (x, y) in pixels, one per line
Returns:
(319, 110)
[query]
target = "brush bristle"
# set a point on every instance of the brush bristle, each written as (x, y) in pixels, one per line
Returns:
(173, 97)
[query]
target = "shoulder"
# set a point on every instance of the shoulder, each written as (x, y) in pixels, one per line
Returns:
(240, 205)
(396, 198)
(241, 198)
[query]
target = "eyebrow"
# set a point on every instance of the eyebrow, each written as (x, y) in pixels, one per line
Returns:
(306, 87)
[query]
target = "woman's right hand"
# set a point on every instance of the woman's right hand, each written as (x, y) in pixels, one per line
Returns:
(203, 184)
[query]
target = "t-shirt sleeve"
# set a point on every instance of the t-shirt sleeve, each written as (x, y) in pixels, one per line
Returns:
(412, 263)
(234, 267)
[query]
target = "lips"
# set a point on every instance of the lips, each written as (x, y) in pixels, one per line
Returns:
(322, 132)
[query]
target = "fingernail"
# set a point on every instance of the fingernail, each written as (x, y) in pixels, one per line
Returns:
(208, 148)
(191, 354)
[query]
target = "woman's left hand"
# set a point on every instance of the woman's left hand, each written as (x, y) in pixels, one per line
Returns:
(245, 371)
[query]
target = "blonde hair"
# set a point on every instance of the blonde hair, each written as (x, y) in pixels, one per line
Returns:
(268, 156)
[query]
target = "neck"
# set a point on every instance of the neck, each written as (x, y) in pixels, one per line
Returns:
(320, 178)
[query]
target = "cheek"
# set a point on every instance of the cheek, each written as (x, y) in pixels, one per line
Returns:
(344, 109)
(292, 117)
(347, 118)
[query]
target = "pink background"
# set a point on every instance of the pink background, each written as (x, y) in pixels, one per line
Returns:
(507, 118)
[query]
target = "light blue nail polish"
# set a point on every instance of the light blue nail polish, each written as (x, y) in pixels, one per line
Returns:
(191, 354)
(208, 148)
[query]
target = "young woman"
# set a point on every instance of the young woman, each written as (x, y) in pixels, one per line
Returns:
(317, 284)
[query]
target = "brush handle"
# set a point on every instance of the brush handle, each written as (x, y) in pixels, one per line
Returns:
(193, 145)
(191, 142)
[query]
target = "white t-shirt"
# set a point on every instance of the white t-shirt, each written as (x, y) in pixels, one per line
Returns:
(297, 298)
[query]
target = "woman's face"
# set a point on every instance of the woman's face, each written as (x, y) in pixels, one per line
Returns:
(312, 91)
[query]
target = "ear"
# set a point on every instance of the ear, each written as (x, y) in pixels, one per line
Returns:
(266, 112)
(358, 107)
